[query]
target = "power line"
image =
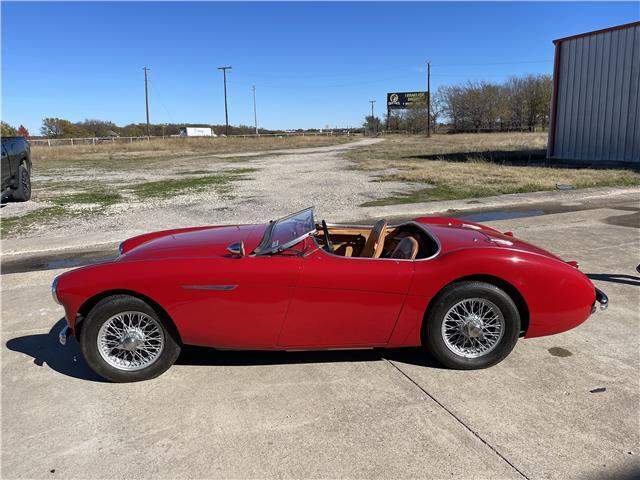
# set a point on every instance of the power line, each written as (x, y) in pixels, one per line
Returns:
(386, 68)
(491, 63)
(155, 90)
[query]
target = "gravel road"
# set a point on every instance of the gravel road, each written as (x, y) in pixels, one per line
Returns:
(284, 181)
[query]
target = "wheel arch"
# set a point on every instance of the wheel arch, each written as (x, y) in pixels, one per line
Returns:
(91, 302)
(509, 289)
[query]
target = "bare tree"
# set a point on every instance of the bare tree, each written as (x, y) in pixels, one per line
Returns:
(372, 124)
(415, 118)
(438, 106)
(519, 103)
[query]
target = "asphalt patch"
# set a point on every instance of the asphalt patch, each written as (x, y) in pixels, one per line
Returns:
(53, 262)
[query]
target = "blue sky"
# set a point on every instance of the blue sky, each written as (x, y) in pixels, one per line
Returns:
(313, 64)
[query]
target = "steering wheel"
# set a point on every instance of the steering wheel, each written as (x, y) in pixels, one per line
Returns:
(328, 246)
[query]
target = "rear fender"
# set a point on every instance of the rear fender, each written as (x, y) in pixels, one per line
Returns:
(455, 222)
(557, 296)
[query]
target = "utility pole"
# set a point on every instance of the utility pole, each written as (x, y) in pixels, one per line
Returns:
(255, 114)
(226, 114)
(373, 122)
(146, 98)
(428, 99)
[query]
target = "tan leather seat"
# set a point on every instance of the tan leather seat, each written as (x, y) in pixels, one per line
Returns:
(375, 242)
(407, 249)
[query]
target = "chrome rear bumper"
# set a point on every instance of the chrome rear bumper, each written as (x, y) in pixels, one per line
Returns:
(64, 334)
(602, 299)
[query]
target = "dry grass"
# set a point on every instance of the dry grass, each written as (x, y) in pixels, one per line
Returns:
(158, 150)
(476, 165)
(472, 145)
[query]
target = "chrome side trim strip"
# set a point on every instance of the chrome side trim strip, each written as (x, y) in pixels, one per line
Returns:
(210, 287)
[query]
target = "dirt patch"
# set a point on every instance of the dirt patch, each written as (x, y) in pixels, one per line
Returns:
(451, 167)
(208, 191)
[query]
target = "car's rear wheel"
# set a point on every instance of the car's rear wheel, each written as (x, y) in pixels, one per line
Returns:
(22, 193)
(471, 325)
(123, 339)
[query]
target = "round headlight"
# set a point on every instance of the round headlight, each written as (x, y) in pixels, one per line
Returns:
(54, 291)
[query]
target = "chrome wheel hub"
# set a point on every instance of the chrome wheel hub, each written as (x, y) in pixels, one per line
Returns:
(130, 341)
(473, 327)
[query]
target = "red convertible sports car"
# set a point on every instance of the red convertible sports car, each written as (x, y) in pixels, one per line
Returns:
(463, 290)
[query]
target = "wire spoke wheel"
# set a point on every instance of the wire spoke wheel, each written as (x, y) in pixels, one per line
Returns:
(473, 327)
(130, 340)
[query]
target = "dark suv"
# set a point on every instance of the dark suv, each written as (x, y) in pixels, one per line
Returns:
(16, 169)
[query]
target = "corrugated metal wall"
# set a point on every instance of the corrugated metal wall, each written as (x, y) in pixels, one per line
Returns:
(598, 101)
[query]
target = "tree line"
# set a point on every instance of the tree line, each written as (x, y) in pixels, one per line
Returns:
(7, 130)
(520, 103)
(62, 128)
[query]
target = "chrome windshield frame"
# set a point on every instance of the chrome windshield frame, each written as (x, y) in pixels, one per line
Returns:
(262, 249)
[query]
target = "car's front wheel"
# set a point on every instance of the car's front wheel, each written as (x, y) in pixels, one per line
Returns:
(123, 339)
(472, 325)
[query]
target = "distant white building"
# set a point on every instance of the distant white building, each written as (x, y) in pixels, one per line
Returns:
(197, 132)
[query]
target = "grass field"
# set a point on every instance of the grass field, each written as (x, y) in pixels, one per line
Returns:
(84, 184)
(475, 165)
(156, 152)
(86, 181)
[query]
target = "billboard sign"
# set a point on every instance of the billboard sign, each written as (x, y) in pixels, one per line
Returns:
(405, 99)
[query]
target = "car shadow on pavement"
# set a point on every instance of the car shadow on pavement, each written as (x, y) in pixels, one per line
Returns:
(68, 360)
(45, 348)
(192, 355)
(615, 278)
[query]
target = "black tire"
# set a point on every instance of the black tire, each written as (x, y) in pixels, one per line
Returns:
(103, 311)
(433, 337)
(22, 193)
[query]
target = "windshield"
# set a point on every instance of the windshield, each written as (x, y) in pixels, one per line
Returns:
(287, 231)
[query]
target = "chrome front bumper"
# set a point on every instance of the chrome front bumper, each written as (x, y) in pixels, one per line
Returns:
(64, 334)
(602, 299)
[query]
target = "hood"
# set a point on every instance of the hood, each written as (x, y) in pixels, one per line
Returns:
(190, 243)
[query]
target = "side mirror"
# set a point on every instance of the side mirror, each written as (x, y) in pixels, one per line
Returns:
(237, 249)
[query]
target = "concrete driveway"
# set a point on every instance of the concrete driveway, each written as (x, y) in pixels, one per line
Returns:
(566, 406)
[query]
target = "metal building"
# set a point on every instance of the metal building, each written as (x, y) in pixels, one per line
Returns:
(595, 110)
